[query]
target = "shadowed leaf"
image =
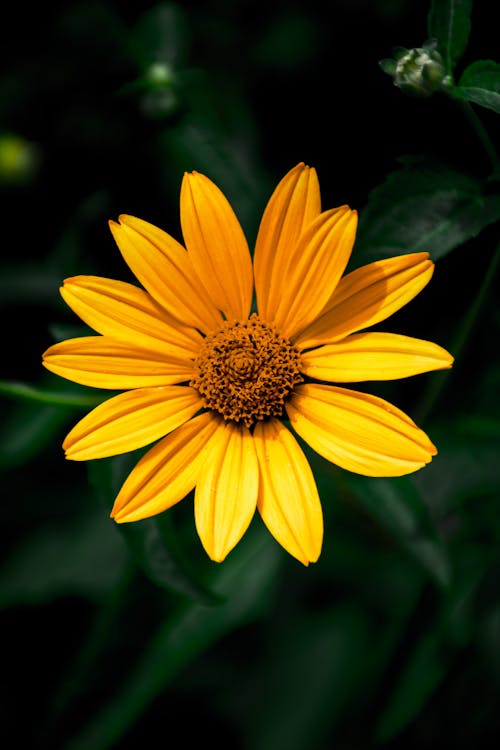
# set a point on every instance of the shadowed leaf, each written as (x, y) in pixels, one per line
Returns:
(152, 543)
(397, 505)
(425, 206)
(480, 84)
(448, 21)
(246, 582)
(84, 558)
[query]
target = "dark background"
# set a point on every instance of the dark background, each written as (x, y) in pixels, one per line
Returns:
(269, 85)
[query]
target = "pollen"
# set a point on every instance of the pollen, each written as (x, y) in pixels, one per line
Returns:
(246, 371)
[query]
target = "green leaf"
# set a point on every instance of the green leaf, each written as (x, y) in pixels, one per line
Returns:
(37, 413)
(329, 652)
(83, 558)
(425, 206)
(157, 552)
(246, 580)
(448, 22)
(480, 84)
(397, 506)
(466, 468)
(152, 543)
(423, 673)
(28, 428)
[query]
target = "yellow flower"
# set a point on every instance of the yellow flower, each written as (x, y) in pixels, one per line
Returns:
(212, 381)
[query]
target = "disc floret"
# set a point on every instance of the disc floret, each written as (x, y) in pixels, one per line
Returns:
(246, 371)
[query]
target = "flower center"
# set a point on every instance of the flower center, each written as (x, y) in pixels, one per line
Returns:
(246, 371)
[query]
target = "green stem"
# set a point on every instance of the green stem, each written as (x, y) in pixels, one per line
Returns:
(465, 329)
(438, 381)
(461, 337)
(483, 137)
(29, 392)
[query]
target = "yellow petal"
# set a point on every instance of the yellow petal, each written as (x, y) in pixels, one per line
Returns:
(167, 472)
(103, 362)
(368, 295)
(130, 421)
(165, 269)
(123, 311)
(292, 207)
(374, 356)
(288, 499)
(226, 490)
(316, 265)
(216, 245)
(359, 432)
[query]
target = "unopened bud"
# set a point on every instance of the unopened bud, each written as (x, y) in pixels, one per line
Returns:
(159, 74)
(419, 71)
(160, 98)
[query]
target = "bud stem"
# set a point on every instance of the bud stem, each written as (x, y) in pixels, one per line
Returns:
(457, 346)
(483, 137)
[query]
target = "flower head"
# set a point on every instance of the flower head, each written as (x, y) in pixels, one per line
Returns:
(211, 381)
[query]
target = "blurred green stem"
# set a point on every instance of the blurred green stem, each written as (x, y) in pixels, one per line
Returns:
(483, 137)
(28, 392)
(437, 383)
(421, 619)
(458, 344)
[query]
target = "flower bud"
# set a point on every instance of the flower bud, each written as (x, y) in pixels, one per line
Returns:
(419, 72)
(159, 74)
(160, 98)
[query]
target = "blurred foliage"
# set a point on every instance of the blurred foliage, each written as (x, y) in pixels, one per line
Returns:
(119, 635)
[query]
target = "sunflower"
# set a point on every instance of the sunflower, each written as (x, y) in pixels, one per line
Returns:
(209, 373)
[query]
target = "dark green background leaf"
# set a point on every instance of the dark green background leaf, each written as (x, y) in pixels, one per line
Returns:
(425, 206)
(246, 582)
(83, 558)
(152, 542)
(424, 672)
(449, 22)
(397, 505)
(480, 84)
(156, 550)
(118, 644)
